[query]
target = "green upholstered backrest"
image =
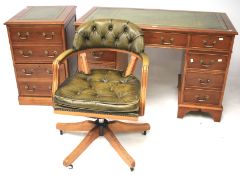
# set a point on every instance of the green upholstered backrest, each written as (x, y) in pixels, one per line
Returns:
(109, 33)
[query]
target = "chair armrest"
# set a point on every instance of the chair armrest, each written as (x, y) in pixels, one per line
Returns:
(63, 56)
(55, 68)
(145, 59)
(144, 79)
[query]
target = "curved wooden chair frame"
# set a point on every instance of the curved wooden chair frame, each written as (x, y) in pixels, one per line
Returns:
(102, 127)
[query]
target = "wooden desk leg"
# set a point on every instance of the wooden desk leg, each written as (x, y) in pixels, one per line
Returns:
(215, 114)
(182, 111)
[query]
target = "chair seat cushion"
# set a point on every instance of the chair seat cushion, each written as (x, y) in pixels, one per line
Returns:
(101, 91)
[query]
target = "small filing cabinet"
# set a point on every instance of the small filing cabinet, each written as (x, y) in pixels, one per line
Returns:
(37, 35)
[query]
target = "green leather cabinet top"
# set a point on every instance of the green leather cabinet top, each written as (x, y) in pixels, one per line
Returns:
(42, 15)
(166, 18)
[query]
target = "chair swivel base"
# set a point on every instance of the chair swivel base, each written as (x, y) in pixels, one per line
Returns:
(101, 127)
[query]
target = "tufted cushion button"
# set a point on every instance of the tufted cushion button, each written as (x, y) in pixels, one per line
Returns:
(130, 40)
(104, 80)
(110, 27)
(94, 28)
(86, 37)
(125, 29)
(116, 38)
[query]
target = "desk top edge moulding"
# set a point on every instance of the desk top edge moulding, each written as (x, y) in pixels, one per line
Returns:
(37, 35)
(207, 39)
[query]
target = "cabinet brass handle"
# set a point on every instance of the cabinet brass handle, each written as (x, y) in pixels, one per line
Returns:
(202, 99)
(28, 72)
(164, 42)
(204, 82)
(25, 54)
(49, 72)
(97, 55)
(30, 89)
(52, 55)
(23, 35)
(207, 45)
(203, 64)
(48, 36)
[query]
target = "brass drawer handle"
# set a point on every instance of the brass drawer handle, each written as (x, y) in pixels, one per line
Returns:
(48, 36)
(204, 82)
(53, 55)
(49, 72)
(205, 43)
(25, 54)
(30, 89)
(97, 55)
(170, 42)
(28, 72)
(23, 35)
(203, 64)
(202, 99)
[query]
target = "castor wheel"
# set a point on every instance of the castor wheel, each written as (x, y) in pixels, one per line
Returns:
(61, 132)
(132, 169)
(70, 166)
(144, 132)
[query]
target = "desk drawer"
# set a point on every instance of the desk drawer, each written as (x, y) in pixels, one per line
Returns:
(211, 42)
(165, 39)
(37, 71)
(204, 80)
(32, 54)
(32, 88)
(207, 61)
(96, 56)
(40, 34)
(102, 65)
(201, 96)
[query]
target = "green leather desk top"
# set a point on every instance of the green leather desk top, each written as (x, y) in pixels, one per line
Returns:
(165, 18)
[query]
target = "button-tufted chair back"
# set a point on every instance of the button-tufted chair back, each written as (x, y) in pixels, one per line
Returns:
(109, 33)
(103, 93)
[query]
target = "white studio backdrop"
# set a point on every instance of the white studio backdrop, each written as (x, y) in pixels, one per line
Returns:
(30, 143)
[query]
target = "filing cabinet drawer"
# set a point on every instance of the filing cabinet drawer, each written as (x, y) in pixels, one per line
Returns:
(207, 61)
(201, 96)
(165, 39)
(48, 34)
(33, 54)
(204, 80)
(33, 88)
(37, 71)
(96, 56)
(211, 42)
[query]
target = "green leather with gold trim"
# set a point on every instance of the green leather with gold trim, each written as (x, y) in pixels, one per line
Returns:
(109, 33)
(107, 91)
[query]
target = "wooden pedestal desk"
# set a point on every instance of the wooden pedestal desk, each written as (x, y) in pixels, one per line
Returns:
(37, 35)
(206, 37)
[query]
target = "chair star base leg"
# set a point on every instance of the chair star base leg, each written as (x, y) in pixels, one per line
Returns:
(101, 128)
